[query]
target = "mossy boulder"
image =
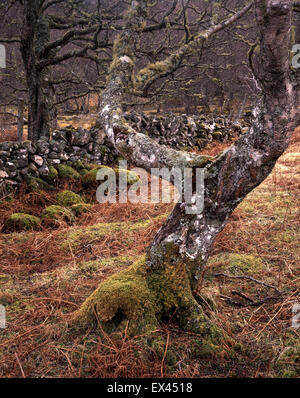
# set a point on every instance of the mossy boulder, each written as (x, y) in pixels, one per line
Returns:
(52, 177)
(68, 198)
(83, 172)
(22, 222)
(90, 178)
(132, 177)
(57, 213)
(79, 165)
(80, 208)
(67, 172)
(37, 184)
(236, 263)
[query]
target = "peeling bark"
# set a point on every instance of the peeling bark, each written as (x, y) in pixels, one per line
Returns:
(179, 252)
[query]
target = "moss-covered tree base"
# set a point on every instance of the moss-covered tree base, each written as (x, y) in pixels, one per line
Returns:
(141, 297)
(122, 299)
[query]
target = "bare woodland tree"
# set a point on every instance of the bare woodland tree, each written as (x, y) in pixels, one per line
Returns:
(162, 283)
(49, 34)
(66, 28)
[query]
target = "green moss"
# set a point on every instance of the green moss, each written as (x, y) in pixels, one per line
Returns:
(4, 278)
(37, 184)
(22, 222)
(163, 352)
(236, 263)
(83, 172)
(75, 236)
(288, 236)
(132, 177)
(15, 238)
(103, 149)
(142, 297)
(68, 198)
(122, 299)
(79, 165)
(52, 177)
(85, 269)
(171, 289)
(90, 178)
(57, 213)
(287, 364)
(67, 173)
(80, 208)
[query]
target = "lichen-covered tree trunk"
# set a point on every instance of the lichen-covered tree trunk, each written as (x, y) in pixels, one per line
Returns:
(161, 284)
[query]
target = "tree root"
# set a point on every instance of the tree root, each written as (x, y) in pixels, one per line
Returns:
(140, 297)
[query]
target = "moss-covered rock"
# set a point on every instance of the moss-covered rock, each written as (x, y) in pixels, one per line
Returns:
(79, 165)
(52, 177)
(68, 198)
(90, 178)
(37, 184)
(131, 176)
(67, 173)
(22, 222)
(80, 208)
(57, 213)
(236, 263)
(83, 172)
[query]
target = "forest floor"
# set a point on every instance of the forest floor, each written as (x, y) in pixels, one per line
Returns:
(47, 274)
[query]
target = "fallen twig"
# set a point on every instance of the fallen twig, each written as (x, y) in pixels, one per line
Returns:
(249, 278)
(20, 366)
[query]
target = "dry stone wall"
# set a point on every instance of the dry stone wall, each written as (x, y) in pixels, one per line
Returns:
(183, 131)
(20, 161)
(68, 146)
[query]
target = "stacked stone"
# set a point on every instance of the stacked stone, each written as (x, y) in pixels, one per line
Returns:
(184, 131)
(18, 161)
(68, 146)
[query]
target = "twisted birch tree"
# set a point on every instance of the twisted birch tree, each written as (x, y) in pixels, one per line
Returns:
(162, 283)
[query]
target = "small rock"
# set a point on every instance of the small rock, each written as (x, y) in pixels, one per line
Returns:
(3, 174)
(38, 160)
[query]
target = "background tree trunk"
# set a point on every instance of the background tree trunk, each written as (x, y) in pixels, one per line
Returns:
(33, 38)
